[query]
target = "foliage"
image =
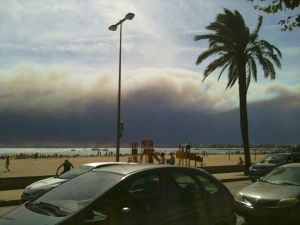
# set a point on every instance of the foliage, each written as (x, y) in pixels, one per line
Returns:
(276, 6)
(238, 50)
(233, 42)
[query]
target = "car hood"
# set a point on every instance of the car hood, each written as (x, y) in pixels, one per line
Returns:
(48, 182)
(271, 191)
(24, 216)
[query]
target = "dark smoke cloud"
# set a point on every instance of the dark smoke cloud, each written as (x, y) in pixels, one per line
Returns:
(269, 122)
(58, 109)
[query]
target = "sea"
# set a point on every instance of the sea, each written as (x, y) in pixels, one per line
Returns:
(48, 152)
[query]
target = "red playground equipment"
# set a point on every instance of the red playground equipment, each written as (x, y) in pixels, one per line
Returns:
(148, 151)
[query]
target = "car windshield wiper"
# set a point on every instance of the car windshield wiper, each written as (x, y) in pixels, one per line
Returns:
(54, 208)
(279, 183)
(287, 183)
(261, 180)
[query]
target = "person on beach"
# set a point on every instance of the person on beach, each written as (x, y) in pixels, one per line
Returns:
(67, 166)
(162, 159)
(7, 163)
(241, 161)
(171, 160)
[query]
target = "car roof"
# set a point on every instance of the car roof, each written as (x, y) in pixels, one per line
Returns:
(281, 153)
(99, 164)
(126, 169)
(285, 153)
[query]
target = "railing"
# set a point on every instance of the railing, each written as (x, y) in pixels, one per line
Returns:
(14, 183)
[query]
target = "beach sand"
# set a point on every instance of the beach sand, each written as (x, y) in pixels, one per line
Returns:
(48, 166)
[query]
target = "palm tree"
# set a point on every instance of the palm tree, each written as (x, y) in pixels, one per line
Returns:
(237, 50)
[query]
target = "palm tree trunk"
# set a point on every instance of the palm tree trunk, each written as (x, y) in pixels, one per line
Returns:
(244, 118)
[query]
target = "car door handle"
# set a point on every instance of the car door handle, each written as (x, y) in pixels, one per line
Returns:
(126, 210)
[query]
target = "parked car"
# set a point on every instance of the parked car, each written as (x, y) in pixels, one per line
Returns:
(270, 162)
(131, 194)
(273, 199)
(38, 188)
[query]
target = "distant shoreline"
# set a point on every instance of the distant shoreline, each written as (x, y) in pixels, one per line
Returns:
(22, 153)
(157, 146)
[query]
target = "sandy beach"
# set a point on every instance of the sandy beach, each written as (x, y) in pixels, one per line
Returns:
(48, 166)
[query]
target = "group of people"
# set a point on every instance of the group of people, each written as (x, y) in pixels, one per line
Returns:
(159, 157)
(163, 159)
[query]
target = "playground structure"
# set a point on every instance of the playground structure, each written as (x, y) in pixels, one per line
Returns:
(147, 152)
(185, 156)
(134, 152)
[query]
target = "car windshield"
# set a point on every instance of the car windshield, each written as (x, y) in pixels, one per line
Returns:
(75, 194)
(78, 170)
(275, 159)
(283, 175)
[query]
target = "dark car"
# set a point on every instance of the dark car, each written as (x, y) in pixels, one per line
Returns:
(131, 195)
(270, 162)
(273, 199)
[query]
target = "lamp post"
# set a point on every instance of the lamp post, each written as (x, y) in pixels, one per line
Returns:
(129, 16)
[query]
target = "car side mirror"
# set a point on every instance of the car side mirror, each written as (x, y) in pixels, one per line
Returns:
(95, 216)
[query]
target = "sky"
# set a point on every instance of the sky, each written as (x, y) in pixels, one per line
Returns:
(59, 75)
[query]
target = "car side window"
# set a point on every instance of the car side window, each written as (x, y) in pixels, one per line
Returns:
(103, 212)
(142, 196)
(128, 205)
(183, 194)
(208, 185)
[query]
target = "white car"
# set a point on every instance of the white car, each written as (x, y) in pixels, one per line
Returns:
(40, 187)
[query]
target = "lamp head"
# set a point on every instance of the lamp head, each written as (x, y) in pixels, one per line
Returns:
(129, 16)
(113, 27)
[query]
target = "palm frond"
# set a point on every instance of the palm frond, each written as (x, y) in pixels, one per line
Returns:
(267, 66)
(270, 69)
(220, 62)
(223, 69)
(231, 82)
(238, 49)
(252, 67)
(254, 34)
(208, 53)
(232, 74)
(274, 58)
(271, 48)
(203, 36)
(222, 40)
(243, 39)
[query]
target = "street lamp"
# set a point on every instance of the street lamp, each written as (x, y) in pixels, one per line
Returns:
(114, 27)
